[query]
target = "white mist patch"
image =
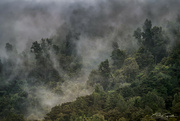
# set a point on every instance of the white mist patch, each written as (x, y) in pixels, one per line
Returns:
(34, 27)
(93, 51)
(74, 89)
(47, 98)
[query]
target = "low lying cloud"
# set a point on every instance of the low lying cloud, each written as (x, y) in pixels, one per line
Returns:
(99, 22)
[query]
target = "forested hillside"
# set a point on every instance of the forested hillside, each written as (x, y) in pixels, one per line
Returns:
(35, 76)
(140, 86)
(75, 60)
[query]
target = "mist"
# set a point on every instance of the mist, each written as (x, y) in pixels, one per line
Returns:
(98, 24)
(25, 21)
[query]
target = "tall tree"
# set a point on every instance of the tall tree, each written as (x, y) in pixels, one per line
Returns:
(36, 49)
(118, 56)
(104, 68)
(153, 39)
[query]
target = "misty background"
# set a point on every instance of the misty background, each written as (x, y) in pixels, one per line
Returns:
(98, 23)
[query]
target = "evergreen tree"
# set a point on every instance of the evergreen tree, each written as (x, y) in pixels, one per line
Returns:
(117, 56)
(153, 39)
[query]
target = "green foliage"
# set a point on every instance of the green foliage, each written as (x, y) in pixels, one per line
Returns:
(153, 39)
(152, 82)
(13, 100)
(144, 58)
(94, 78)
(122, 119)
(101, 76)
(51, 65)
(97, 117)
(153, 101)
(104, 69)
(117, 56)
(151, 87)
(132, 88)
(147, 118)
(127, 92)
(13, 117)
(176, 98)
(115, 100)
(36, 49)
(176, 108)
(130, 68)
(138, 35)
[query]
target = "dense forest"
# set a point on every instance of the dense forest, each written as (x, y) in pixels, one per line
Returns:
(98, 63)
(140, 86)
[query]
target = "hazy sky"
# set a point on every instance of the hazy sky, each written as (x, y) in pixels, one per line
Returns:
(25, 20)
